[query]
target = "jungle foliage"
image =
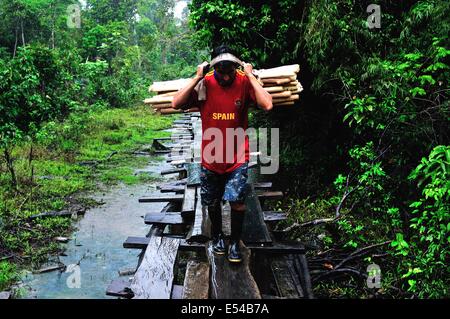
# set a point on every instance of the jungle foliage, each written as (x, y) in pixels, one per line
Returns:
(369, 139)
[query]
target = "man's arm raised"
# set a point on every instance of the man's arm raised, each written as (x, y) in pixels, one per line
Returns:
(263, 98)
(182, 97)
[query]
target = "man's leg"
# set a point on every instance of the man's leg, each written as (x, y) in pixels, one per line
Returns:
(211, 191)
(235, 194)
(237, 219)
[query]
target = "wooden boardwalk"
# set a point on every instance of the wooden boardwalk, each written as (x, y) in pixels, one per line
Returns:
(177, 261)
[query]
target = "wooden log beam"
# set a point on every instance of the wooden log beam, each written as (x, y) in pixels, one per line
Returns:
(154, 276)
(231, 281)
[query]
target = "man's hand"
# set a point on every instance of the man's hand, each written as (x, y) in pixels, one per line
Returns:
(248, 69)
(200, 70)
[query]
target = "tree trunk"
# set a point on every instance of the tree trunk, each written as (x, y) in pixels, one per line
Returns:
(23, 35)
(9, 164)
(15, 43)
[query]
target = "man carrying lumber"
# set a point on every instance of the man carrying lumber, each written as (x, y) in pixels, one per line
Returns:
(224, 96)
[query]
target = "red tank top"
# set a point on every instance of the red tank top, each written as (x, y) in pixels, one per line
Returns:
(224, 116)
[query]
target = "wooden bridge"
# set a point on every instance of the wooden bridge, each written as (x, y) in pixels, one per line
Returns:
(177, 260)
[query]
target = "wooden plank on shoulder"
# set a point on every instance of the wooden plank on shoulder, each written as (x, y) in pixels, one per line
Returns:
(154, 276)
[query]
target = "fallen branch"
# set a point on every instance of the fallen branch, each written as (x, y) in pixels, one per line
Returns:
(360, 252)
(310, 223)
(339, 271)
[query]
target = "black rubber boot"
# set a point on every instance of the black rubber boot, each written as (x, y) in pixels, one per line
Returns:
(234, 251)
(218, 242)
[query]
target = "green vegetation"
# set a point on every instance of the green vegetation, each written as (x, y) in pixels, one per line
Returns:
(70, 114)
(368, 143)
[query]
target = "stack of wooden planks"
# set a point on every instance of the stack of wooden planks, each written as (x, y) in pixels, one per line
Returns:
(281, 82)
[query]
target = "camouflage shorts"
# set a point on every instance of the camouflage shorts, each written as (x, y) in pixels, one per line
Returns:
(230, 186)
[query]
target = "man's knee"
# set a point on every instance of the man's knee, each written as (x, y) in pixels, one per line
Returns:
(238, 206)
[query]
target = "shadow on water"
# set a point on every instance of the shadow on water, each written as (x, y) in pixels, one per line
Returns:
(94, 255)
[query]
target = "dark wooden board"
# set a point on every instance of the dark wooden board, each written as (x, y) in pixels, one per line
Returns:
(254, 230)
(162, 198)
(163, 219)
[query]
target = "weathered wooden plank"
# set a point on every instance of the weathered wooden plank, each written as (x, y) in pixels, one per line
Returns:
(301, 267)
(231, 281)
(274, 216)
(275, 195)
(201, 229)
(276, 248)
(188, 205)
(171, 189)
(262, 185)
(163, 218)
(162, 198)
(283, 279)
(196, 280)
(254, 230)
(173, 171)
(154, 277)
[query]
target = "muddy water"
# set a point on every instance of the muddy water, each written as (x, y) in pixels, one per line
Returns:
(95, 253)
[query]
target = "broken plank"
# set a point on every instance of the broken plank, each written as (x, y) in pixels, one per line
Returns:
(196, 280)
(230, 281)
(154, 277)
(162, 198)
